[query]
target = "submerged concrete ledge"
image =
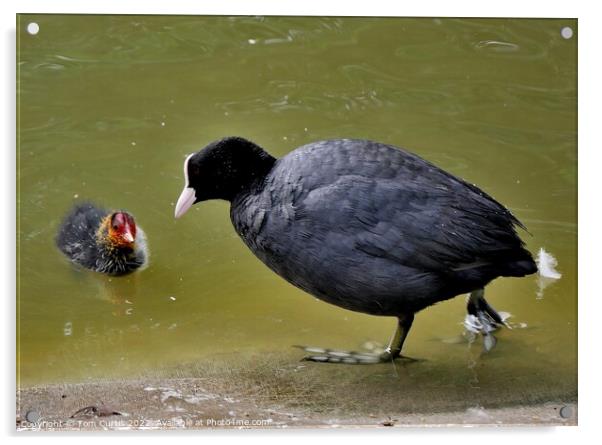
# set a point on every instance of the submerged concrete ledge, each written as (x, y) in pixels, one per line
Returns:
(277, 391)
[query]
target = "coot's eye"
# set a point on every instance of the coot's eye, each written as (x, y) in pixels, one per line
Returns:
(115, 226)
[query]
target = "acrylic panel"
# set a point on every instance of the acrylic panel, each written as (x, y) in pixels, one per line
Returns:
(109, 108)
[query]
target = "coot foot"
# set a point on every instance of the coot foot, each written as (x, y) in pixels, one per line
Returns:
(392, 352)
(483, 319)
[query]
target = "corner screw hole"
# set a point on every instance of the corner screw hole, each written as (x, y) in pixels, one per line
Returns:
(33, 28)
(32, 416)
(566, 412)
(566, 32)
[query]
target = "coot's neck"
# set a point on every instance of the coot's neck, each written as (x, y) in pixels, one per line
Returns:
(246, 171)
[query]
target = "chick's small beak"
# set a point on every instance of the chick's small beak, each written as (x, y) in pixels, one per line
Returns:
(185, 201)
(128, 237)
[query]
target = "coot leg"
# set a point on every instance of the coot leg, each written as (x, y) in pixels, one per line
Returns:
(483, 318)
(392, 351)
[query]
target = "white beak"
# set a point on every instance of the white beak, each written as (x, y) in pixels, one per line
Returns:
(185, 201)
(127, 236)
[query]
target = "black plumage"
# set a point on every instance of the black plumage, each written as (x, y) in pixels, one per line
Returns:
(103, 241)
(360, 224)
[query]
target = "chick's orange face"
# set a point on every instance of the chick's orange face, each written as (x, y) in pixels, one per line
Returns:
(122, 229)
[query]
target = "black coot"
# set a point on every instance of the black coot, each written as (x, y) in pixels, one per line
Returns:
(363, 225)
(103, 241)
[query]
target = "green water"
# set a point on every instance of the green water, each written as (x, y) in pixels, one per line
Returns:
(108, 107)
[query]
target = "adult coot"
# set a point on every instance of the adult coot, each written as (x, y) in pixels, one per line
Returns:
(103, 241)
(363, 225)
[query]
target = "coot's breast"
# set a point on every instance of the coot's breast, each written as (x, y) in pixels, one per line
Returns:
(375, 229)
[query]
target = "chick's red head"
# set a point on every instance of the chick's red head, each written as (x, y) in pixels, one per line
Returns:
(122, 229)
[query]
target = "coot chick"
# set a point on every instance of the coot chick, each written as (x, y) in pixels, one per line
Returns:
(103, 241)
(363, 225)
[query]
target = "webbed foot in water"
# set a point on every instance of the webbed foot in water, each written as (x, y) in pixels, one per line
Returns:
(483, 319)
(323, 355)
(392, 352)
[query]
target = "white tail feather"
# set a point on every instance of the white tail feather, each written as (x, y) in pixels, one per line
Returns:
(546, 264)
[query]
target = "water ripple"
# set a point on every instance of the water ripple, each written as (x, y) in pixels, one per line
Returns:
(497, 46)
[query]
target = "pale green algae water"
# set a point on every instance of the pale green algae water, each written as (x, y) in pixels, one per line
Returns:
(108, 107)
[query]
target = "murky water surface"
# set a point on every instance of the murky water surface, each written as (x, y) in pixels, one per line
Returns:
(110, 105)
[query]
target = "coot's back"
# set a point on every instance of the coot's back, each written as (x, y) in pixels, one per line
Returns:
(377, 229)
